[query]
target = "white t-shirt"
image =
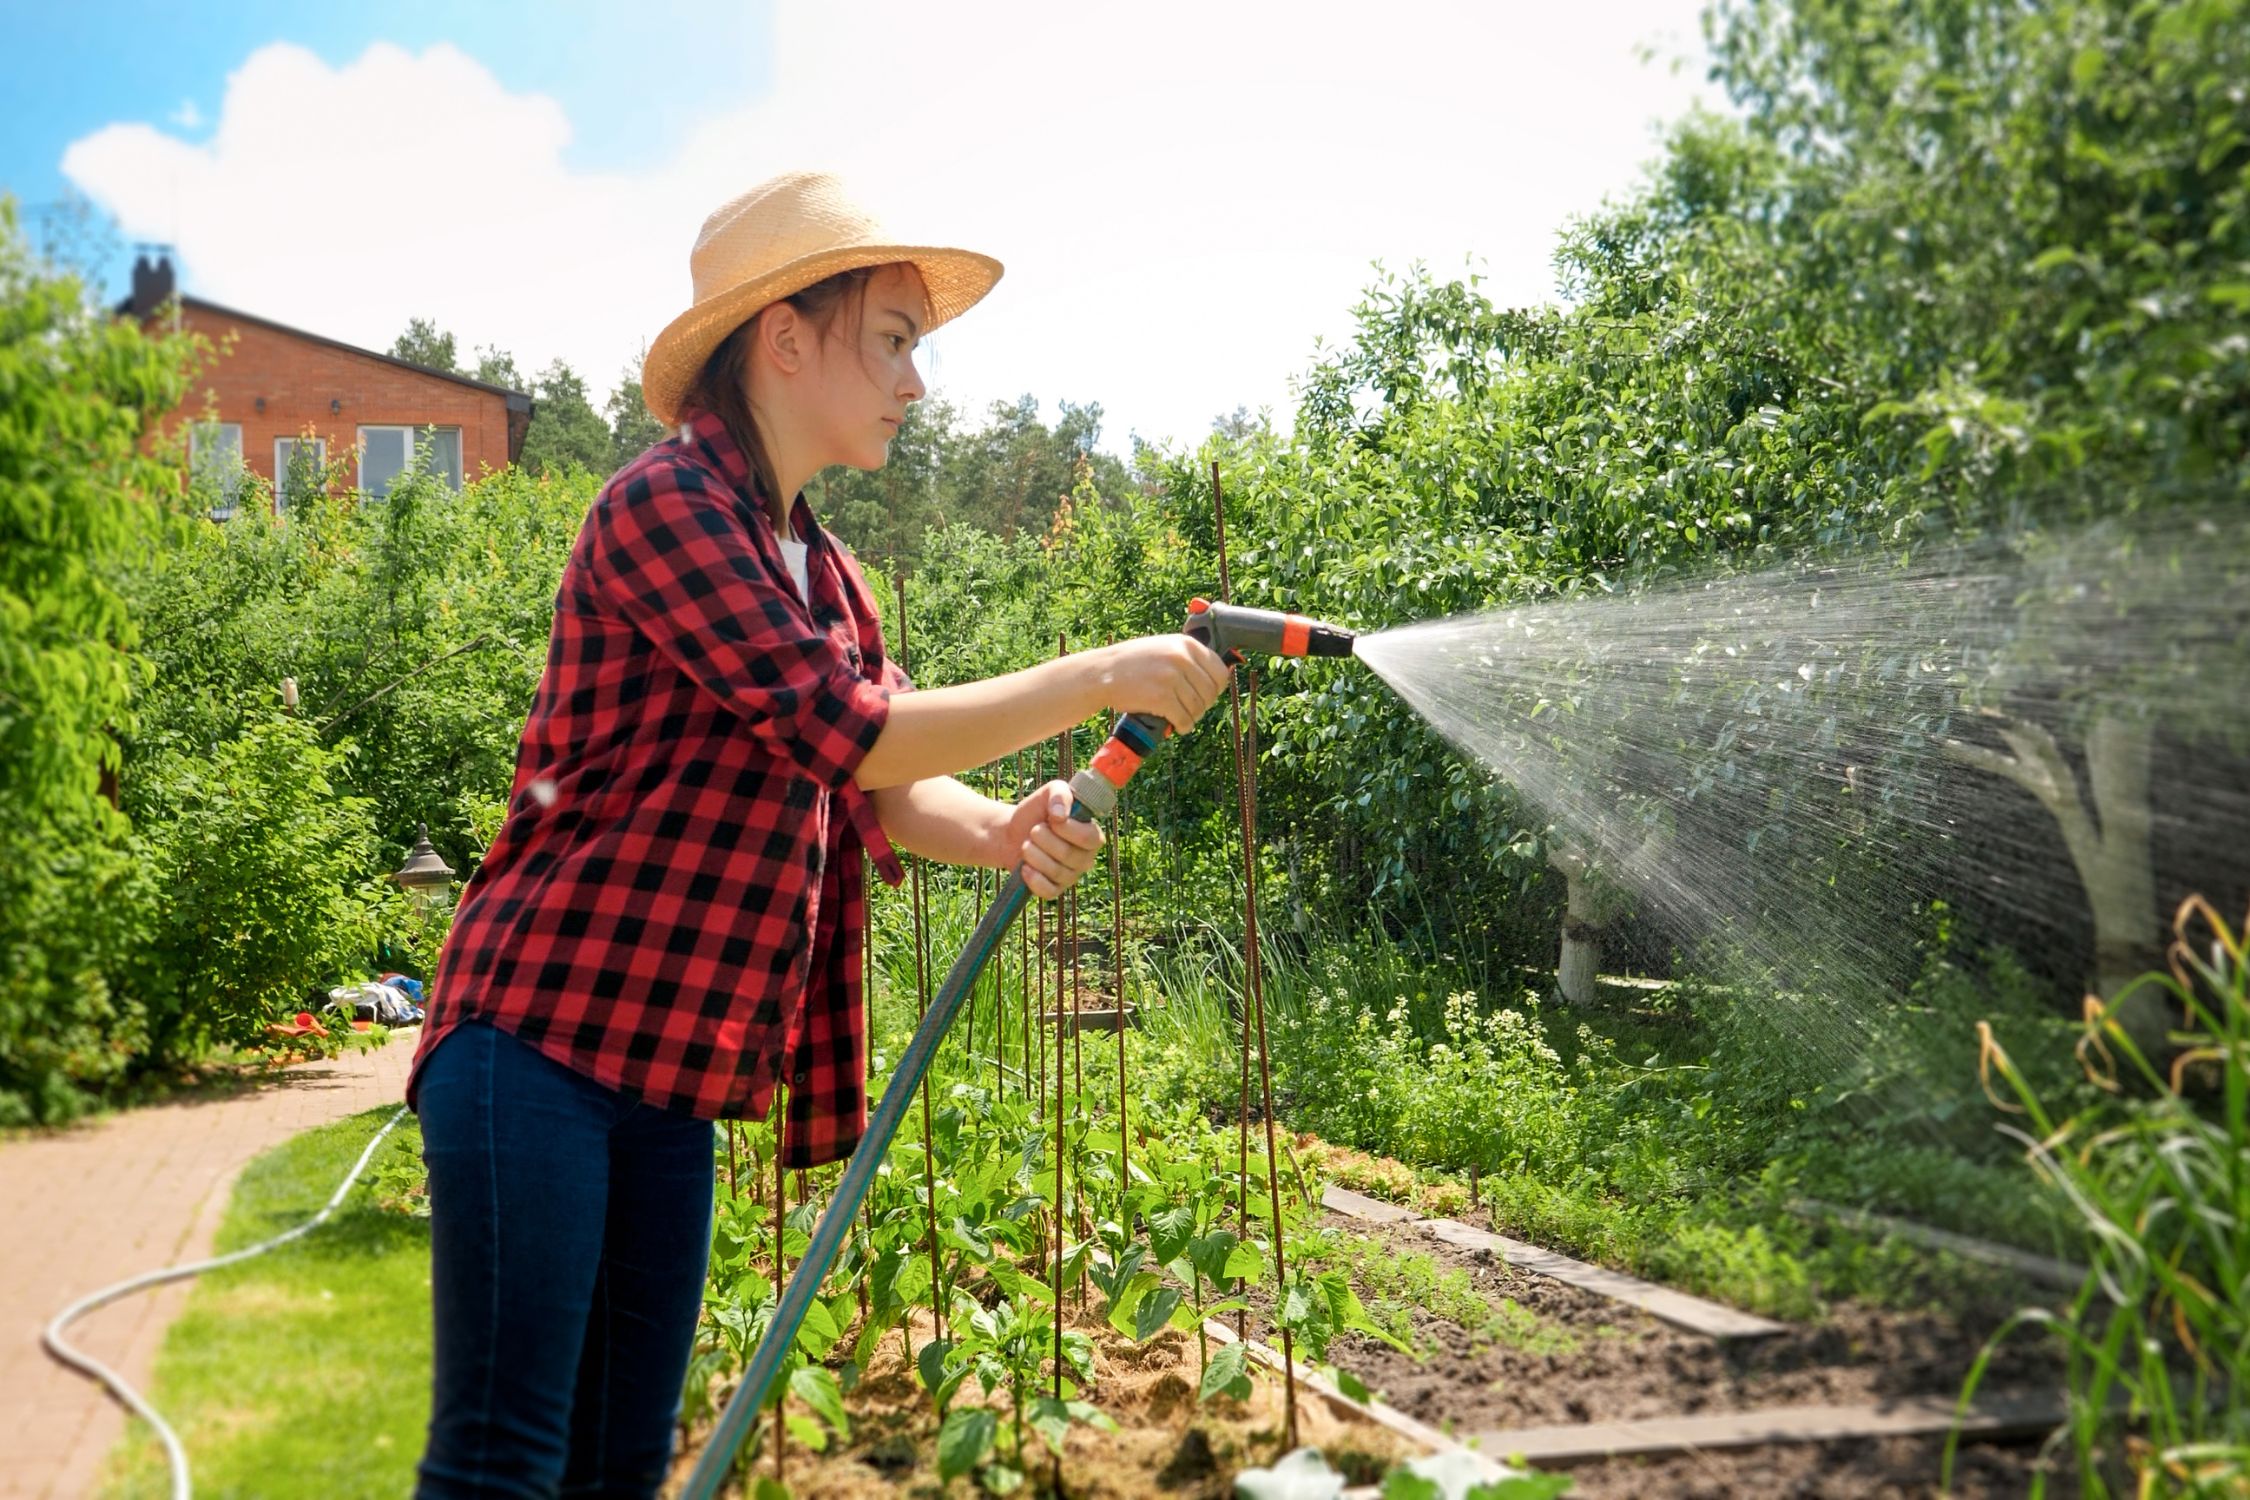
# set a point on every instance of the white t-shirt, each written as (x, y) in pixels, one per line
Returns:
(793, 553)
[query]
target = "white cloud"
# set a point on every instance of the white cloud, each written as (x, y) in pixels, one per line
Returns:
(1185, 195)
(187, 116)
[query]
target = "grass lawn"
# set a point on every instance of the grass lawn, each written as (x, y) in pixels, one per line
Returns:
(305, 1371)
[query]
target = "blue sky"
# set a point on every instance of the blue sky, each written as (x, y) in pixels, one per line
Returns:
(67, 69)
(1190, 196)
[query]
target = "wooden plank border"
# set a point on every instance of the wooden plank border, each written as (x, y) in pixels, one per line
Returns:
(2044, 1269)
(1911, 1416)
(1694, 1314)
(1344, 1201)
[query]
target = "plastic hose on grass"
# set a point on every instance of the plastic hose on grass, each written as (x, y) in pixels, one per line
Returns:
(58, 1346)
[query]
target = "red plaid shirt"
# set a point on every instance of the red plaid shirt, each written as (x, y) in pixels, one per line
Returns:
(675, 906)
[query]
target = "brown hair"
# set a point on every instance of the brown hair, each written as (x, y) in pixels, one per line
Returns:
(722, 386)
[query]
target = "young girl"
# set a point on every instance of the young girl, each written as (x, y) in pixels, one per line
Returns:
(667, 930)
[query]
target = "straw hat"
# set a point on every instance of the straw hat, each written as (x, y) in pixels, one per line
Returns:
(778, 238)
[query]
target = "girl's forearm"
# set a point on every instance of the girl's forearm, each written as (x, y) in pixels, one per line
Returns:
(938, 731)
(939, 818)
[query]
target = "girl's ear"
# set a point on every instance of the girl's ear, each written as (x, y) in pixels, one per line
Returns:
(779, 337)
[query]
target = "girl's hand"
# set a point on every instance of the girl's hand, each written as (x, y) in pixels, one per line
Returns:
(1053, 850)
(1173, 676)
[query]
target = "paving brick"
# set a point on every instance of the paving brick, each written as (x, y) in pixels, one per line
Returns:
(95, 1204)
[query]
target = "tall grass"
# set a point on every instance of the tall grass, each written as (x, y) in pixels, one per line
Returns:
(2158, 1336)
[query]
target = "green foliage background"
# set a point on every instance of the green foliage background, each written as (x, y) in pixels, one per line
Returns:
(1949, 267)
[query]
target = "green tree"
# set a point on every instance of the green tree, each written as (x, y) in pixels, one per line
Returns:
(1010, 474)
(498, 367)
(566, 431)
(1008, 477)
(76, 493)
(423, 344)
(631, 426)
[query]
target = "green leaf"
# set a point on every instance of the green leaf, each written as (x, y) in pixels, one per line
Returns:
(1128, 1298)
(1091, 1415)
(1209, 1253)
(816, 1387)
(1153, 1312)
(806, 1431)
(1521, 1487)
(818, 1333)
(1227, 1372)
(1169, 1230)
(930, 1361)
(964, 1439)
(1051, 1420)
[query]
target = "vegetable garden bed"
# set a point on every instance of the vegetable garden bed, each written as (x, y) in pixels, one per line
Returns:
(1547, 1354)
(1454, 1337)
(1162, 1439)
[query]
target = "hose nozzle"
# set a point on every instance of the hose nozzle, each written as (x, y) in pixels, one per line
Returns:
(1231, 630)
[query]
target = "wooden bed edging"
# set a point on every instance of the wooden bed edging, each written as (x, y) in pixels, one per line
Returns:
(1909, 1416)
(2044, 1269)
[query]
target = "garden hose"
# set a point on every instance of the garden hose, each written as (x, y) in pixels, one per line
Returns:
(175, 1455)
(1227, 629)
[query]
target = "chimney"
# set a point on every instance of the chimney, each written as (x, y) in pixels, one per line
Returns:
(153, 285)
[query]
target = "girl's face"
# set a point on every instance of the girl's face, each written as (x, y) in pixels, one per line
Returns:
(862, 371)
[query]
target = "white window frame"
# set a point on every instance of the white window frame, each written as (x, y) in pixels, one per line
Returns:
(413, 433)
(232, 496)
(281, 467)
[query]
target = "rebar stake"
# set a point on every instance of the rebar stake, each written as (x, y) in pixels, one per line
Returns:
(779, 1113)
(999, 986)
(1246, 798)
(1265, 1081)
(1117, 961)
(921, 1007)
(1062, 762)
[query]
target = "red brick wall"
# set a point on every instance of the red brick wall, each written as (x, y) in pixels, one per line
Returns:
(298, 377)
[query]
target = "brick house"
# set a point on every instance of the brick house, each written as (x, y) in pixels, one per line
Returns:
(278, 395)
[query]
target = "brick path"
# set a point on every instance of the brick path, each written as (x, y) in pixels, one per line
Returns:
(87, 1207)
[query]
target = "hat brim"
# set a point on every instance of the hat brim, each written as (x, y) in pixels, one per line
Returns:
(952, 280)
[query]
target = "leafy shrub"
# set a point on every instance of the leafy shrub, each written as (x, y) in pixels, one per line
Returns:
(79, 390)
(71, 1021)
(270, 878)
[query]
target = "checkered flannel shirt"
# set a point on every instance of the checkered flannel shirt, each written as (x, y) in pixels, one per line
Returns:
(675, 906)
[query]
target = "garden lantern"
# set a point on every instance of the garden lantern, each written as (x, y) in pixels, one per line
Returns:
(427, 877)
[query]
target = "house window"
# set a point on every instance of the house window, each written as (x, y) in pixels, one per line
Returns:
(438, 449)
(215, 465)
(386, 453)
(299, 465)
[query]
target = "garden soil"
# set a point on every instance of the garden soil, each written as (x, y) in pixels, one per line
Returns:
(1167, 1442)
(1620, 1365)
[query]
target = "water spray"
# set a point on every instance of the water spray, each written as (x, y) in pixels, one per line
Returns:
(1234, 633)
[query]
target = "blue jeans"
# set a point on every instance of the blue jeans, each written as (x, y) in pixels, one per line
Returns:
(570, 1229)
